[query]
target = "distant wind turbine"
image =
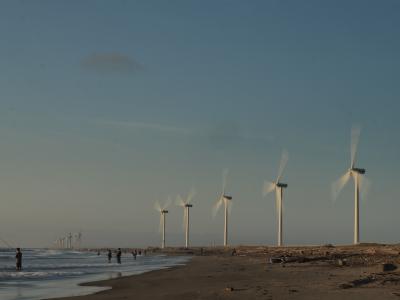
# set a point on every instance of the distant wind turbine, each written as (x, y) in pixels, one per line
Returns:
(278, 186)
(186, 205)
(163, 211)
(226, 200)
(78, 240)
(361, 183)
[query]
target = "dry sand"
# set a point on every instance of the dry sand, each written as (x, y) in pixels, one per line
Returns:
(308, 273)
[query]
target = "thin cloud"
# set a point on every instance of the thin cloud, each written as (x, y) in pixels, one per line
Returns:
(110, 63)
(226, 134)
(230, 132)
(149, 126)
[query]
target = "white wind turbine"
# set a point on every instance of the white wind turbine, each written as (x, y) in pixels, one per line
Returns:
(163, 211)
(226, 200)
(361, 183)
(186, 205)
(278, 186)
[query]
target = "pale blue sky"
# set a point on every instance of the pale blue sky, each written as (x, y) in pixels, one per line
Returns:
(108, 106)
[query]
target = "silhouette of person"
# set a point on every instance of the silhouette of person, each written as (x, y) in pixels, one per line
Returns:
(119, 253)
(233, 252)
(18, 258)
(109, 255)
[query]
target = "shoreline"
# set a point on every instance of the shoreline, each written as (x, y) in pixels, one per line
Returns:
(312, 272)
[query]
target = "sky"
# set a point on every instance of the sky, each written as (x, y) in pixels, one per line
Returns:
(109, 106)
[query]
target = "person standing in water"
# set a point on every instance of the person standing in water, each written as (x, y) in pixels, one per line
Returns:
(134, 254)
(109, 255)
(18, 258)
(119, 253)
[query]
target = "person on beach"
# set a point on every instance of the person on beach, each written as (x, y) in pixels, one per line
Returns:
(18, 258)
(109, 255)
(134, 253)
(119, 253)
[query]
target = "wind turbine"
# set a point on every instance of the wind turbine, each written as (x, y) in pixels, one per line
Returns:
(226, 200)
(186, 205)
(361, 183)
(163, 211)
(78, 240)
(278, 186)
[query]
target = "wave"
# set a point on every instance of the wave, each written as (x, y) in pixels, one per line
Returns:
(38, 275)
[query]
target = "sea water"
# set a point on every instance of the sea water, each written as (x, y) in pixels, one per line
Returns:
(57, 273)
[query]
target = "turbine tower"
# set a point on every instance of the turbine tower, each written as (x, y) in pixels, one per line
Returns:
(361, 183)
(278, 186)
(69, 243)
(226, 200)
(186, 205)
(163, 211)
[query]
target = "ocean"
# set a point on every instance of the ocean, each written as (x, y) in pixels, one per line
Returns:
(57, 273)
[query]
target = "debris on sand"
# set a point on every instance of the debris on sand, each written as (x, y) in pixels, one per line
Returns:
(358, 282)
(341, 262)
(387, 267)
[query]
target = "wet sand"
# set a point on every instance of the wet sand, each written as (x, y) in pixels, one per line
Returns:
(304, 273)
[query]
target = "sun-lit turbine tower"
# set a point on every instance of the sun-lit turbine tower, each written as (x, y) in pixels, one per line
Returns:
(163, 211)
(356, 172)
(226, 203)
(186, 205)
(226, 200)
(360, 182)
(278, 186)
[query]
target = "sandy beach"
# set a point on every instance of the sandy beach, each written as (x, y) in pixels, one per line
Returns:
(352, 272)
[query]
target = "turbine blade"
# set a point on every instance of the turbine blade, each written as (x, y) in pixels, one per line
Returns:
(157, 206)
(179, 201)
(216, 206)
(268, 188)
(167, 203)
(191, 195)
(355, 137)
(282, 164)
(224, 179)
(365, 185)
(338, 185)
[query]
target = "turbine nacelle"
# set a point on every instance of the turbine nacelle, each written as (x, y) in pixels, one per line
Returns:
(281, 185)
(164, 211)
(227, 197)
(188, 205)
(357, 170)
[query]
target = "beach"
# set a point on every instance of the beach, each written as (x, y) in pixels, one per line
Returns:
(324, 272)
(57, 273)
